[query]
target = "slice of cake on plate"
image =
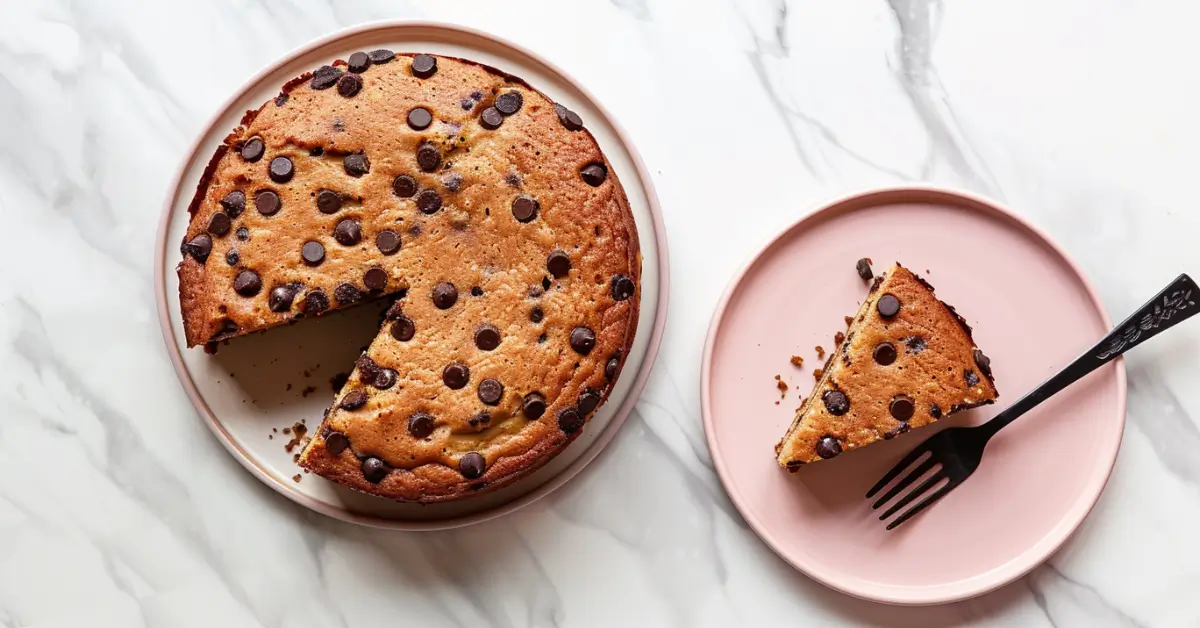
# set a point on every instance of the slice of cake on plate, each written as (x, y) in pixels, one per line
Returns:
(907, 360)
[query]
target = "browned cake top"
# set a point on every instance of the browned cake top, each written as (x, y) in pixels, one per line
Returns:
(907, 360)
(492, 213)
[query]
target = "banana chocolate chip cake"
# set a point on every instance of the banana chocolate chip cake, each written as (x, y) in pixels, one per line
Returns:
(907, 360)
(485, 210)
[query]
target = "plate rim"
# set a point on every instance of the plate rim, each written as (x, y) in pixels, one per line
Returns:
(623, 410)
(966, 588)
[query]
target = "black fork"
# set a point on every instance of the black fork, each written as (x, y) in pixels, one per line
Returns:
(959, 450)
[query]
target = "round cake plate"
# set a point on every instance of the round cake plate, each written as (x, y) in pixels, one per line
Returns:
(256, 386)
(1032, 311)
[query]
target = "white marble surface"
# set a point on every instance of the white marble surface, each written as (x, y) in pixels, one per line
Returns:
(118, 508)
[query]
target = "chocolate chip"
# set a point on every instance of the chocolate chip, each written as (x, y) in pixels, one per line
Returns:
(568, 118)
(198, 247)
(536, 314)
(467, 104)
(375, 279)
(490, 391)
(280, 299)
(347, 294)
(424, 66)
(403, 329)
(888, 306)
(525, 208)
(325, 77)
(312, 253)
(316, 151)
(570, 420)
(219, 224)
(374, 470)
(828, 447)
(545, 283)
(901, 408)
(509, 103)
(445, 295)
(354, 399)
(419, 119)
(329, 202)
(234, 203)
(384, 379)
(513, 179)
(983, 362)
(242, 233)
(863, 266)
(315, 303)
(533, 406)
(356, 164)
(558, 263)
(935, 411)
(336, 443)
(622, 288)
(253, 149)
(404, 186)
(267, 202)
(896, 431)
(281, 170)
(483, 418)
(281, 99)
(456, 376)
(387, 241)
(487, 338)
(358, 62)
(429, 201)
(885, 353)
(490, 119)
(471, 465)
(594, 174)
(583, 340)
(970, 377)
(247, 283)
(349, 85)
(348, 232)
(452, 181)
(367, 368)
(589, 400)
(611, 367)
(428, 157)
(836, 402)
(232, 257)
(915, 344)
(381, 56)
(420, 425)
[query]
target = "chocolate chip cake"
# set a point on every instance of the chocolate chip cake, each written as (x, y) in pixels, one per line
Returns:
(907, 360)
(483, 209)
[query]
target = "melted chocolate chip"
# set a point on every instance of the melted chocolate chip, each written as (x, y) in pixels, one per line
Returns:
(533, 406)
(558, 263)
(570, 420)
(622, 288)
(281, 99)
(313, 253)
(387, 241)
(611, 367)
(347, 294)
(490, 119)
(888, 306)
(487, 338)
(568, 118)
(198, 247)
(935, 411)
(983, 362)
(901, 408)
(281, 297)
(403, 329)
(253, 149)
(232, 257)
(915, 344)
(242, 233)
(419, 118)
(472, 465)
(354, 399)
(456, 376)
(428, 157)
(864, 269)
(583, 340)
(234, 203)
(336, 443)
(247, 283)
(594, 174)
(509, 103)
(970, 377)
(315, 303)
(374, 470)
(445, 295)
(589, 400)
(885, 353)
(384, 379)
(348, 232)
(325, 77)
(452, 181)
(267, 202)
(349, 85)
(828, 447)
(536, 314)
(424, 66)
(420, 425)
(358, 62)
(490, 391)
(381, 56)
(219, 224)
(429, 201)
(329, 202)
(545, 283)
(367, 368)
(356, 164)
(281, 170)
(483, 418)
(896, 431)
(375, 279)
(525, 208)
(404, 186)
(836, 402)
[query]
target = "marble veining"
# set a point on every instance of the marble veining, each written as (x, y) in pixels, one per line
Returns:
(118, 508)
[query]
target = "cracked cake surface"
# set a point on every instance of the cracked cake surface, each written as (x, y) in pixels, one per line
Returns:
(907, 360)
(488, 214)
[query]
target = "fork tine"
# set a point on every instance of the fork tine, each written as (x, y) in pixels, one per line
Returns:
(908, 479)
(916, 492)
(900, 466)
(921, 506)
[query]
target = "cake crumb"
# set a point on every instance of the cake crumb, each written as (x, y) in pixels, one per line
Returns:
(299, 437)
(337, 381)
(817, 373)
(308, 390)
(289, 387)
(838, 338)
(782, 386)
(849, 321)
(797, 361)
(287, 431)
(820, 352)
(296, 478)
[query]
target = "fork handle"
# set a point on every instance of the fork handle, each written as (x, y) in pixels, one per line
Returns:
(1175, 304)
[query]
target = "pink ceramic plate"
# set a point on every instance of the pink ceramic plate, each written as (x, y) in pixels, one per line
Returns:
(1032, 312)
(270, 381)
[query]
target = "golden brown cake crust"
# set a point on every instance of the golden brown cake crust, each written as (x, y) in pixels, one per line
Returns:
(498, 258)
(934, 366)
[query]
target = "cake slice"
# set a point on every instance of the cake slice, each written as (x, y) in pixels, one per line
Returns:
(907, 360)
